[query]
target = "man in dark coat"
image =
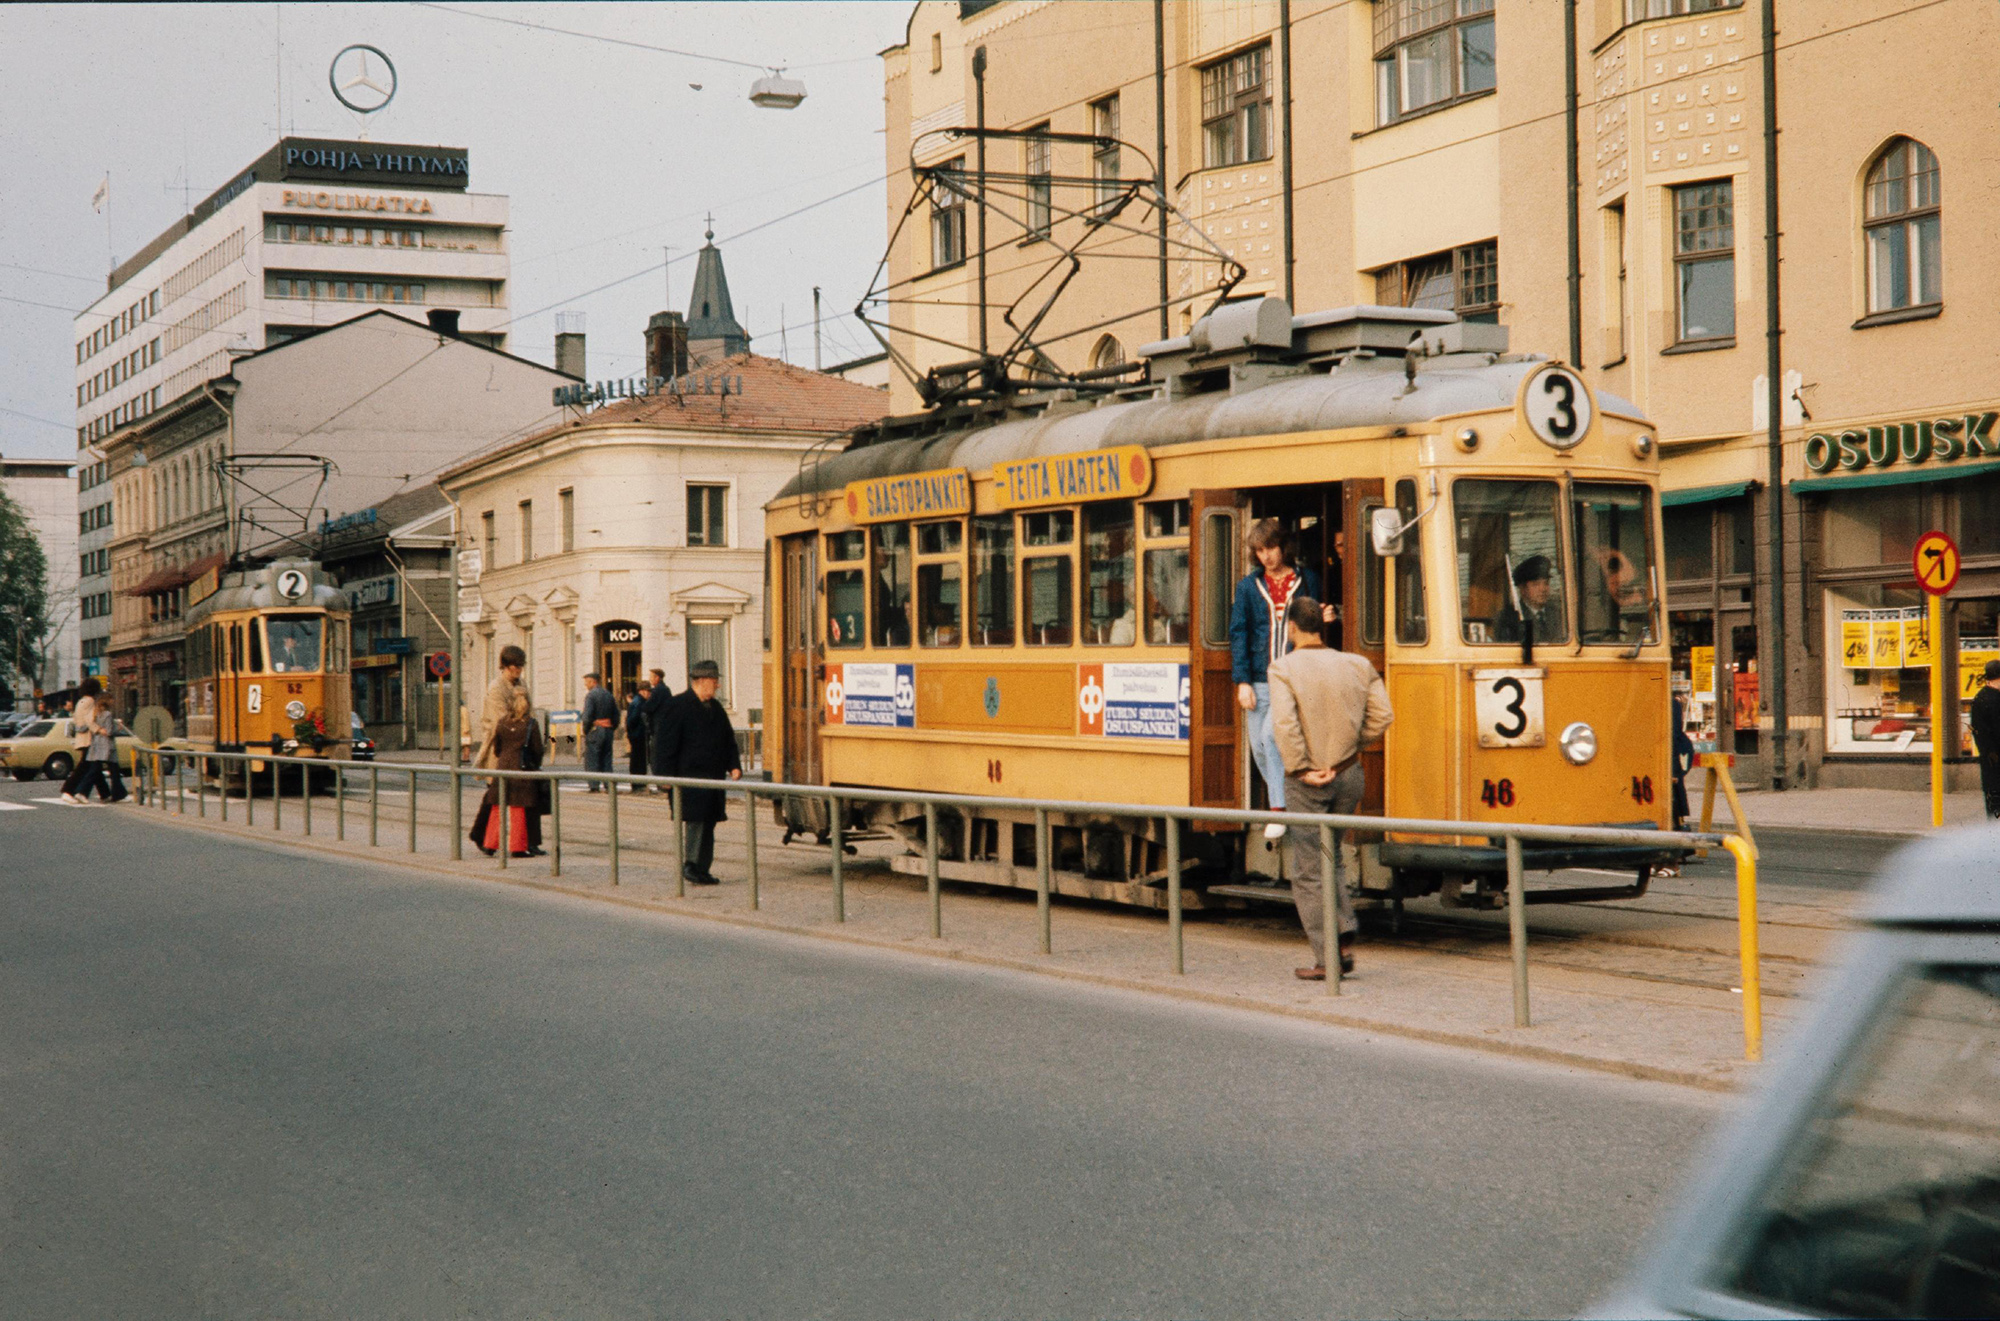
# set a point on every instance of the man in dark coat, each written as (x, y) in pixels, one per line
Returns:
(698, 742)
(637, 732)
(1986, 736)
(655, 709)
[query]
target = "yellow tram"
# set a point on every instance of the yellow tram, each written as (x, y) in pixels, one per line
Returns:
(267, 664)
(1030, 597)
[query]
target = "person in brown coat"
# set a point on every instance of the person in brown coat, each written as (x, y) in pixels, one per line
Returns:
(493, 709)
(516, 745)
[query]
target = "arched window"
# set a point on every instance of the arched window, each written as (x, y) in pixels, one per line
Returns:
(1905, 257)
(1108, 353)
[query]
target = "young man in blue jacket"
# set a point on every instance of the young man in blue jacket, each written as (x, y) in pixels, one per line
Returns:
(1257, 637)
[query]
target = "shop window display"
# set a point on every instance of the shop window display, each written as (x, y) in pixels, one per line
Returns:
(1878, 676)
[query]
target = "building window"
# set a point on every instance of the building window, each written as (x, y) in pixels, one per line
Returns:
(1236, 109)
(1430, 53)
(937, 51)
(948, 216)
(1041, 182)
(488, 540)
(1616, 309)
(566, 501)
(1104, 162)
(1108, 352)
(527, 509)
(708, 640)
(1905, 259)
(1635, 10)
(1705, 260)
(708, 515)
(1465, 280)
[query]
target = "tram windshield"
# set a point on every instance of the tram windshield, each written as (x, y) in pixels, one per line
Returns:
(1510, 563)
(294, 643)
(1614, 558)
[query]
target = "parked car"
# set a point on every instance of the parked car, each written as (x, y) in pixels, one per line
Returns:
(12, 722)
(364, 747)
(1864, 1177)
(46, 747)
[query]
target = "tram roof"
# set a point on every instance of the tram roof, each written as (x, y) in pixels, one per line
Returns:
(256, 589)
(1359, 391)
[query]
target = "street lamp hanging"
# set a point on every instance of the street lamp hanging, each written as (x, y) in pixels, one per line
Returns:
(777, 92)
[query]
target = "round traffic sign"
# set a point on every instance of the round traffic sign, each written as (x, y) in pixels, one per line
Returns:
(439, 665)
(1936, 562)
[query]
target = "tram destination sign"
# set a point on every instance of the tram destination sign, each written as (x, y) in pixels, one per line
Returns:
(939, 493)
(1121, 473)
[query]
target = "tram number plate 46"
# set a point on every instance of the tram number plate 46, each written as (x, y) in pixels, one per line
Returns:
(1507, 708)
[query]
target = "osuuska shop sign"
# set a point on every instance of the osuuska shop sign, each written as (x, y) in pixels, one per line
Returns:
(1943, 439)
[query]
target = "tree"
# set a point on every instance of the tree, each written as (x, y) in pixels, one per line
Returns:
(24, 592)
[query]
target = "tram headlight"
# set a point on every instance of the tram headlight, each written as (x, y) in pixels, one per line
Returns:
(1642, 445)
(1578, 743)
(1467, 439)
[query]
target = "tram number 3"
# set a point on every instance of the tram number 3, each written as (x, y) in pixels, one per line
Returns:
(1497, 793)
(1642, 788)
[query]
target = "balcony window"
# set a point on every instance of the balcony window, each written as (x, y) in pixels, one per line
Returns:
(1430, 53)
(1236, 109)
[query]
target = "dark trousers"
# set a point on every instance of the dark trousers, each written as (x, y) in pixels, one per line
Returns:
(638, 760)
(597, 753)
(1310, 872)
(699, 848)
(89, 775)
(1989, 784)
(113, 788)
(75, 776)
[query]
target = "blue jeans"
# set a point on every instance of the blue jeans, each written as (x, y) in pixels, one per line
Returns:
(1264, 746)
(597, 751)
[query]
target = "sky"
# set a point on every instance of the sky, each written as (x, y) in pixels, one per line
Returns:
(608, 153)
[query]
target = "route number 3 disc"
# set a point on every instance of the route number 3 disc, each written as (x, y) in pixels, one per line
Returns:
(1558, 406)
(1507, 708)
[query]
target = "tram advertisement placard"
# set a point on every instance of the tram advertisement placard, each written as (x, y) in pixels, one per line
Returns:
(936, 494)
(1133, 700)
(872, 693)
(1123, 473)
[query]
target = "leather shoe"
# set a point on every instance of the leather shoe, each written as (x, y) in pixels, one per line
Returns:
(1310, 974)
(704, 879)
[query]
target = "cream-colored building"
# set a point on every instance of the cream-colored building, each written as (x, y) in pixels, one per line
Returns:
(631, 537)
(1422, 150)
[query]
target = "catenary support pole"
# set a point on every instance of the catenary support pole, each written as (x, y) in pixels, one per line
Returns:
(1517, 929)
(1777, 656)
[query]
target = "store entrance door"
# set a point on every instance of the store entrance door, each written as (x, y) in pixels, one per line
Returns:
(618, 652)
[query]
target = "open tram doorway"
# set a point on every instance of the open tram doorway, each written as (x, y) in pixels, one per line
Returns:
(1327, 526)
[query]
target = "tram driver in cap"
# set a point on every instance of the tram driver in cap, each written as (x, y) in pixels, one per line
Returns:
(1535, 592)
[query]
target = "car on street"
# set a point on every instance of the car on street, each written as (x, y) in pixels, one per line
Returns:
(1863, 1179)
(364, 747)
(47, 748)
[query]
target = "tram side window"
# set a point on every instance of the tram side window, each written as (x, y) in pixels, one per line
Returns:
(1371, 583)
(1218, 587)
(844, 546)
(1614, 558)
(236, 648)
(1509, 560)
(993, 581)
(1413, 622)
(295, 643)
(1165, 569)
(846, 604)
(1048, 579)
(891, 568)
(1111, 592)
(255, 628)
(939, 583)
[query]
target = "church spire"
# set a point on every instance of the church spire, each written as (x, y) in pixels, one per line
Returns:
(712, 327)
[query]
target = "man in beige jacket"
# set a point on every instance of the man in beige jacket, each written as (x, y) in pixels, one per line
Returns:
(1326, 705)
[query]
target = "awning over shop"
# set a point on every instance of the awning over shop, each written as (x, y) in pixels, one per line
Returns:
(1897, 476)
(1698, 495)
(165, 580)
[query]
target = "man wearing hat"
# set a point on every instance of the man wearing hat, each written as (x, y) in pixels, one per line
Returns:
(1539, 606)
(698, 742)
(1986, 736)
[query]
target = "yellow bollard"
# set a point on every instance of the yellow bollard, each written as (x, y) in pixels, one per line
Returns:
(1745, 853)
(1938, 733)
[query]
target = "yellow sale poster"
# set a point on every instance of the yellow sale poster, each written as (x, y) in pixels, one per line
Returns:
(1701, 660)
(1886, 640)
(1973, 653)
(1854, 653)
(1916, 639)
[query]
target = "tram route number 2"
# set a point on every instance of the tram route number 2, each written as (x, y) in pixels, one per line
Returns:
(1507, 707)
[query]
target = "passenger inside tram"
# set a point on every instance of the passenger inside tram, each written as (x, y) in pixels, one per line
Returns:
(294, 643)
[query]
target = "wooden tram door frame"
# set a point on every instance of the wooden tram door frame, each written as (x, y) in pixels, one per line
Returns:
(1215, 739)
(1357, 495)
(802, 674)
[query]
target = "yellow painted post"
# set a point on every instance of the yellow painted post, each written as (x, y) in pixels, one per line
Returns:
(1745, 853)
(1938, 732)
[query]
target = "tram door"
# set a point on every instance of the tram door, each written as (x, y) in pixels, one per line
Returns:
(618, 652)
(1361, 605)
(1215, 749)
(803, 673)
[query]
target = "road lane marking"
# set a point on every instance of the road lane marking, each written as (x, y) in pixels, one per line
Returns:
(18, 807)
(55, 802)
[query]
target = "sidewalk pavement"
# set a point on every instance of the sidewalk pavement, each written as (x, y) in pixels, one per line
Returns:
(1645, 988)
(1851, 811)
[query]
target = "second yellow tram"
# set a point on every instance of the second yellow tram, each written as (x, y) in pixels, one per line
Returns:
(1031, 598)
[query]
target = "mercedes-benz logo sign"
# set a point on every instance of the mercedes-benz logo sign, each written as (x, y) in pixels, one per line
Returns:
(356, 81)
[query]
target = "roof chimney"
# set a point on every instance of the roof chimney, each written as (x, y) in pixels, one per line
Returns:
(667, 345)
(444, 320)
(569, 344)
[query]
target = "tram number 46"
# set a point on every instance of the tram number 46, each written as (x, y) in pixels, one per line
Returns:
(1497, 793)
(1642, 788)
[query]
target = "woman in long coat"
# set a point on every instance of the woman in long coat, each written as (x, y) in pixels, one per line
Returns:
(516, 745)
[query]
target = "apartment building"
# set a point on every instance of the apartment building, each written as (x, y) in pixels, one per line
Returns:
(1593, 175)
(43, 490)
(308, 235)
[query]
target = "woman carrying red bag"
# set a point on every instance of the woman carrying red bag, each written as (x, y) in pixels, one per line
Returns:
(517, 746)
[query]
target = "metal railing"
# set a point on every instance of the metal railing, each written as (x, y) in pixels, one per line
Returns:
(1512, 836)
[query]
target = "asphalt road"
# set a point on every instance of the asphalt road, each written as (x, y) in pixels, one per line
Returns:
(1821, 859)
(239, 1080)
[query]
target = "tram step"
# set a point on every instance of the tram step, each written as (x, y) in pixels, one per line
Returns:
(1269, 894)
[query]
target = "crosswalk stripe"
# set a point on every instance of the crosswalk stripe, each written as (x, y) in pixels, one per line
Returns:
(53, 802)
(15, 807)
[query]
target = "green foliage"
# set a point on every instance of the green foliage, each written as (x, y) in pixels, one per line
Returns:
(24, 589)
